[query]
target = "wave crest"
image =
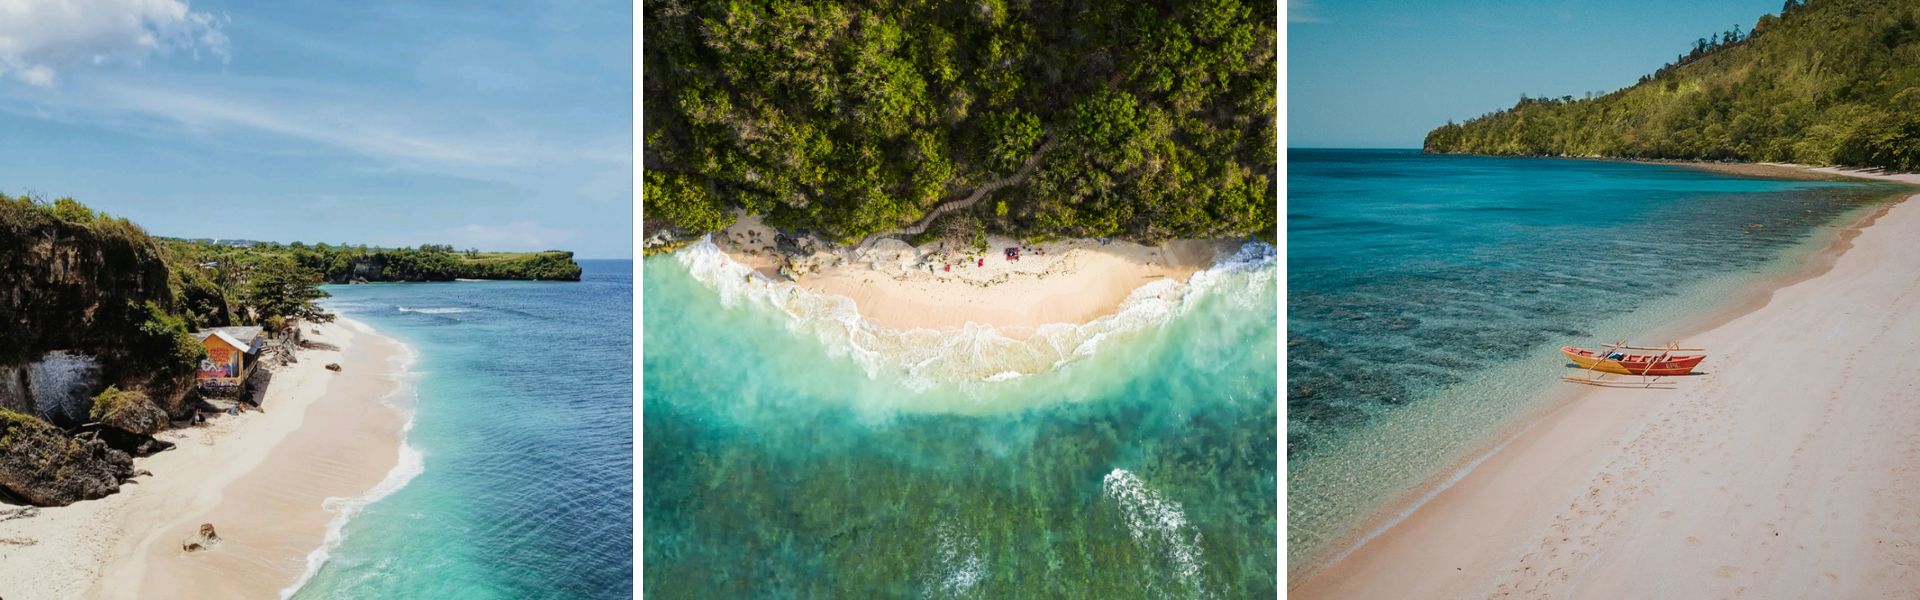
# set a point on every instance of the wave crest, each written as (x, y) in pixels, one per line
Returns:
(974, 353)
(1157, 524)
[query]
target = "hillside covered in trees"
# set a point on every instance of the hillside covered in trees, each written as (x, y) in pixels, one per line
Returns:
(360, 263)
(1142, 120)
(1826, 82)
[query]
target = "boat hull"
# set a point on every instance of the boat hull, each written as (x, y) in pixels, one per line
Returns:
(1649, 365)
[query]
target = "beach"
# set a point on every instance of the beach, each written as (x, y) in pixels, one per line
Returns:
(1784, 468)
(936, 286)
(262, 478)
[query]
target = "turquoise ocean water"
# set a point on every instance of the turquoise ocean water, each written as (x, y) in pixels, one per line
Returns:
(793, 450)
(1427, 296)
(518, 478)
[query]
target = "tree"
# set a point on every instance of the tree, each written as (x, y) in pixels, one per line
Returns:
(277, 287)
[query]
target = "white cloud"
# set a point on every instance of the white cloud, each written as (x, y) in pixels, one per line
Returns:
(332, 121)
(39, 37)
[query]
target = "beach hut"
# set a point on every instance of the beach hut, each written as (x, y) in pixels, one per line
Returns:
(231, 355)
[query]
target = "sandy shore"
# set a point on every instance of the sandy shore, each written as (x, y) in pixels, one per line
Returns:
(1789, 468)
(260, 478)
(933, 287)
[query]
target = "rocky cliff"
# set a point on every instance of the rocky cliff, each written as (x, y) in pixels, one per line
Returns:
(85, 303)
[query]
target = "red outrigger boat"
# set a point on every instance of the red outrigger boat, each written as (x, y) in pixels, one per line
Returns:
(1649, 363)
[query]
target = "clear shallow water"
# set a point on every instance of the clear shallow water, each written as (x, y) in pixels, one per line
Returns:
(1427, 296)
(792, 451)
(523, 427)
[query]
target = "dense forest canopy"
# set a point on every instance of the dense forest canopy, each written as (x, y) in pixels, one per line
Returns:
(1826, 82)
(1143, 120)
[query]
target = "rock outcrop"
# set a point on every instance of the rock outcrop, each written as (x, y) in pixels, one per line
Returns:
(206, 539)
(43, 466)
(129, 411)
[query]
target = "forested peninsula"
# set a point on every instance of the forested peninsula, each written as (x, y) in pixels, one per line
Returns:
(1145, 120)
(1825, 82)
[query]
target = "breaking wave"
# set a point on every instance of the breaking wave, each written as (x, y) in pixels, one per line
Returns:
(1159, 525)
(957, 566)
(973, 353)
(434, 310)
(409, 464)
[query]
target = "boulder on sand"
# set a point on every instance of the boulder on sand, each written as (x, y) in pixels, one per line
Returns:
(206, 539)
(130, 411)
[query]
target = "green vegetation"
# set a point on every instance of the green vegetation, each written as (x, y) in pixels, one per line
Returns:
(113, 399)
(1828, 82)
(344, 263)
(1145, 120)
(84, 281)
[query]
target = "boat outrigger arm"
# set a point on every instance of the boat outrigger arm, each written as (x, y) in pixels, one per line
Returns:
(1652, 369)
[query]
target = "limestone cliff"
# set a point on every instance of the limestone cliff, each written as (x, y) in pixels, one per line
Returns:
(85, 303)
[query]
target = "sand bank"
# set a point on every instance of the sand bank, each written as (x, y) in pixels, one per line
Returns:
(260, 478)
(901, 286)
(1787, 468)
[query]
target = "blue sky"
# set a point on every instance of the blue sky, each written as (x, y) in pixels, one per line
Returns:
(1381, 73)
(502, 125)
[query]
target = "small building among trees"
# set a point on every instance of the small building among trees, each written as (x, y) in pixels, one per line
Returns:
(232, 353)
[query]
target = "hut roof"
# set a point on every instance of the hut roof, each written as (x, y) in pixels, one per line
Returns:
(242, 336)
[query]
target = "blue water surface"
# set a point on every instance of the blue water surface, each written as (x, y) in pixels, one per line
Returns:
(776, 466)
(1412, 278)
(524, 419)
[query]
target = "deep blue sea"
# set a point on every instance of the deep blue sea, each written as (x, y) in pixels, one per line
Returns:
(523, 427)
(792, 449)
(1427, 296)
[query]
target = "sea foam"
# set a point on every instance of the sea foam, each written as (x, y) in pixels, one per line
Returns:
(973, 354)
(957, 566)
(434, 310)
(409, 464)
(1159, 525)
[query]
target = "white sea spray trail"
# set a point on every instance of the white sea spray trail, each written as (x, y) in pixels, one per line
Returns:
(434, 310)
(409, 464)
(957, 566)
(1159, 525)
(973, 353)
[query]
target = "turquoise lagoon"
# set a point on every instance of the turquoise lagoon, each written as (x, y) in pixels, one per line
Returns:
(791, 449)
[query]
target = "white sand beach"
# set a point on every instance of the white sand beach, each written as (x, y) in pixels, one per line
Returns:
(903, 287)
(1789, 468)
(259, 477)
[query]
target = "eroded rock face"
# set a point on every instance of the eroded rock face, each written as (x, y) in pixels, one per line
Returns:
(44, 466)
(57, 387)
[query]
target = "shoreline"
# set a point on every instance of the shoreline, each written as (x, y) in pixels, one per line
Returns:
(903, 287)
(1455, 499)
(1548, 404)
(262, 478)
